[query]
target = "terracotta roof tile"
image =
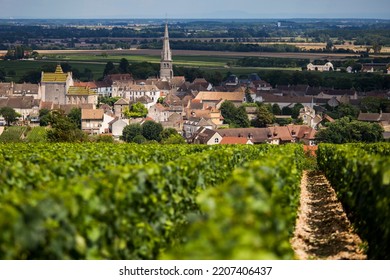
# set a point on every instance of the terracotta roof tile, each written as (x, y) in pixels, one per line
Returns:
(92, 114)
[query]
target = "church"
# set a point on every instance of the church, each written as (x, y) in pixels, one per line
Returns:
(166, 66)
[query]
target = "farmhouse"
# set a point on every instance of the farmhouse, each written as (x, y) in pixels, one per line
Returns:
(321, 68)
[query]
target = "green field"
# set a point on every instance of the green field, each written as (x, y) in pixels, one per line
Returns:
(194, 61)
(22, 67)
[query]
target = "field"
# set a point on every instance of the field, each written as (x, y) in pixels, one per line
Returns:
(22, 67)
(122, 201)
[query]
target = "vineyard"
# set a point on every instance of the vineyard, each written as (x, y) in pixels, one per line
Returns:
(122, 201)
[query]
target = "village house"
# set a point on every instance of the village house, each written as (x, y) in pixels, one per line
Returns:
(116, 127)
(91, 120)
(119, 107)
(215, 99)
(193, 124)
(6, 89)
(26, 106)
(321, 68)
(286, 101)
(206, 136)
(27, 89)
(381, 118)
(174, 121)
(134, 92)
(78, 95)
(235, 140)
(256, 135)
(159, 113)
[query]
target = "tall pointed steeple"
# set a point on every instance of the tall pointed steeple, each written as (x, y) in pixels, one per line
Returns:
(166, 71)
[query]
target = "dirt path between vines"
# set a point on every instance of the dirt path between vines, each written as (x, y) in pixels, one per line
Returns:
(323, 230)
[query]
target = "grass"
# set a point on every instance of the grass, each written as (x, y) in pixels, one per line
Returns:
(21, 67)
(195, 61)
(36, 135)
(97, 62)
(12, 134)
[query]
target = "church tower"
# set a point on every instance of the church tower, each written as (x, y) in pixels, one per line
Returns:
(166, 69)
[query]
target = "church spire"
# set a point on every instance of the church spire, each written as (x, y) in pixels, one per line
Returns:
(166, 53)
(166, 71)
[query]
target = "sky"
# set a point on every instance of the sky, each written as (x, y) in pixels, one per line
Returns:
(378, 9)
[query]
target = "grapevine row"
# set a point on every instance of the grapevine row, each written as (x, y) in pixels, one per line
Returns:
(361, 176)
(130, 211)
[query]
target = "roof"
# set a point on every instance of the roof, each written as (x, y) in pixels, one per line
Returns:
(80, 90)
(203, 135)
(257, 135)
(369, 117)
(122, 101)
(234, 140)
(20, 102)
(5, 88)
(142, 88)
(281, 132)
(92, 114)
(86, 84)
(26, 88)
(57, 77)
(218, 95)
(46, 105)
(270, 98)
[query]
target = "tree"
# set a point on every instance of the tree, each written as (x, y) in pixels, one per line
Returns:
(167, 132)
(263, 117)
(137, 110)
(329, 45)
(2, 75)
(109, 69)
(107, 100)
(174, 139)
(139, 139)
(346, 131)
(370, 105)
(75, 116)
(248, 96)
(152, 130)
(276, 109)
(295, 110)
(228, 111)
(123, 66)
(241, 118)
(347, 110)
(377, 47)
(64, 130)
(131, 131)
(44, 117)
(9, 114)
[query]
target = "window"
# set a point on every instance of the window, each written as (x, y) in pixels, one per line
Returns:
(216, 140)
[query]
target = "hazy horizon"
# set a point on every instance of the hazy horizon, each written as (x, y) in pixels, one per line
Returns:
(203, 9)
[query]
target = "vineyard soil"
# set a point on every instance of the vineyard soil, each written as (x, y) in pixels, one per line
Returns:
(323, 230)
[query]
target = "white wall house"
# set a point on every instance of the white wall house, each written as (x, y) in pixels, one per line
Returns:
(321, 68)
(134, 92)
